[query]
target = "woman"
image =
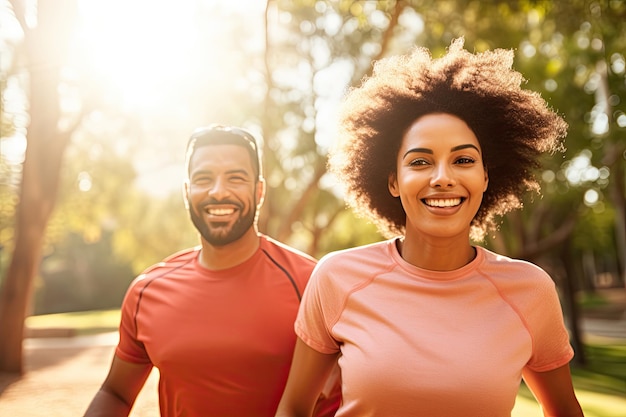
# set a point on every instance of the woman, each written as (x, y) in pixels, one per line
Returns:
(426, 323)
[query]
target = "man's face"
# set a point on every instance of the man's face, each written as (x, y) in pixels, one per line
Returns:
(223, 193)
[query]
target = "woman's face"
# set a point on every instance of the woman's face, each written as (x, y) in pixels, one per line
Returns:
(440, 176)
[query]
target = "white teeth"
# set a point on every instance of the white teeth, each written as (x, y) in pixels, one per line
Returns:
(220, 212)
(442, 202)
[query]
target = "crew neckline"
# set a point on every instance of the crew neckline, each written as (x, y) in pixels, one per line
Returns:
(430, 275)
(228, 272)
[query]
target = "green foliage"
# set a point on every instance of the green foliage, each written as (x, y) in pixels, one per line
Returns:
(316, 50)
(102, 233)
(344, 235)
(79, 275)
(8, 200)
(594, 230)
(151, 229)
(608, 360)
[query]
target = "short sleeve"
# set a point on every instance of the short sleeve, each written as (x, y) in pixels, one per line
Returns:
(551, 346)
(319, 309)
(129, 347)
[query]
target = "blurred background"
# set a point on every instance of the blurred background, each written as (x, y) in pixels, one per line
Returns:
(99, 98)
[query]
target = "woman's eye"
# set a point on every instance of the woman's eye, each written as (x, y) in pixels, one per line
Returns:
(417, 162)
(465, 160)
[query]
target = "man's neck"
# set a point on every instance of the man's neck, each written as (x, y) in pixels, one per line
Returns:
(233, 254)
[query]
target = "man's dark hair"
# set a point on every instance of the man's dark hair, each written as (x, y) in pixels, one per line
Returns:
(217, 134)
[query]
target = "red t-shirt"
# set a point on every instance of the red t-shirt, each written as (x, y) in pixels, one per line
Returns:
(222, 340)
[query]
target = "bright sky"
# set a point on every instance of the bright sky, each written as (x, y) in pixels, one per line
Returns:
(137, 44)
(132, 44)
(137, 51)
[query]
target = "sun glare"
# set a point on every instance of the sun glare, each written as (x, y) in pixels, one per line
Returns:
(148, 57)
(136, 45)
(139, 47)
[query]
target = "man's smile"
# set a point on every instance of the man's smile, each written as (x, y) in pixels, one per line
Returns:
(220, 211)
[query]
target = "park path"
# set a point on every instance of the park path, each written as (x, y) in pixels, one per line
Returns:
(63, 374)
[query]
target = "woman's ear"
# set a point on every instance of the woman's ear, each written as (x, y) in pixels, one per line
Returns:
(486, 180)
(392, 184)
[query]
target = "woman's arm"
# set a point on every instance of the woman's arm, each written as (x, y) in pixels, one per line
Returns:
(554, 392)
(307, 376)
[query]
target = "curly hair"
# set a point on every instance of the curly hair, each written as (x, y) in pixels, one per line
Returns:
(513, 126)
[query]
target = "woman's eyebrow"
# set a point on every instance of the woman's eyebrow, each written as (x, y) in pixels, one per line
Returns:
(418, 150)
(469, 145)
(430, 151)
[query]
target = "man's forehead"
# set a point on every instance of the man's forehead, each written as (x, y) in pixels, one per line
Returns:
(221, 154)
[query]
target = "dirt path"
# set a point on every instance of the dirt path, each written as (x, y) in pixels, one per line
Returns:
(60, 382)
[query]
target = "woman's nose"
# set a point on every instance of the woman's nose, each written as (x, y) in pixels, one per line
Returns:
(443, 176)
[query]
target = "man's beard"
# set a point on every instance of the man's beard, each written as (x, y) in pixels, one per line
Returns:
(224, 236)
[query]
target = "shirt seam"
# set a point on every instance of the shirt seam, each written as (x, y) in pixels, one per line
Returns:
(358, 287)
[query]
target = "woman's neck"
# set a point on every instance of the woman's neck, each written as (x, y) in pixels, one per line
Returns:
(437, 254)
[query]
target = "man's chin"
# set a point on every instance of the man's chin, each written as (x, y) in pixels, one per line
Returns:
(221, 236)
(220, 239)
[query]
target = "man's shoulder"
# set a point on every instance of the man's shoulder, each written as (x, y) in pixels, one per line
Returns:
(173, 261)
(276, 248)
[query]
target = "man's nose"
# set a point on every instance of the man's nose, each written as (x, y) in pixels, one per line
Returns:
(219, 188)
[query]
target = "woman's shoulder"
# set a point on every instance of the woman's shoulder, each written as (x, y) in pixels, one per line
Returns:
(505, 263)
(359, 256)
(348, 267)
(514, 273)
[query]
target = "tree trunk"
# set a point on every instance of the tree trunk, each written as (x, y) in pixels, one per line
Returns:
(616, 194)
(569, 302)
(45, 48)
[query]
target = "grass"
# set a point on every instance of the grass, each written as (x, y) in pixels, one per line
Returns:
(599, 395)
(588, 300)
(600, 386)
(82, 322)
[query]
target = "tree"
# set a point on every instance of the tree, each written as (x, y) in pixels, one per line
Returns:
(309, 62)
(45, 47)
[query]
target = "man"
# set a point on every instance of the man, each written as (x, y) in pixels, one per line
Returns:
(216, 320)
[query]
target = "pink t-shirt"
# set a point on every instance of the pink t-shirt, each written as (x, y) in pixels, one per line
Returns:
(436, 344)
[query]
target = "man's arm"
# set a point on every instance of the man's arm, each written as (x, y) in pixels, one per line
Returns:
(116, 396)
(554, 392)
(308, 374)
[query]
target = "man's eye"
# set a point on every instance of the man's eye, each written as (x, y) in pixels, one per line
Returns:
(201, 180)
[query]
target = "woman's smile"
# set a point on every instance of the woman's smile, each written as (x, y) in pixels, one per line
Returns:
(440, 177)
(442, 202)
